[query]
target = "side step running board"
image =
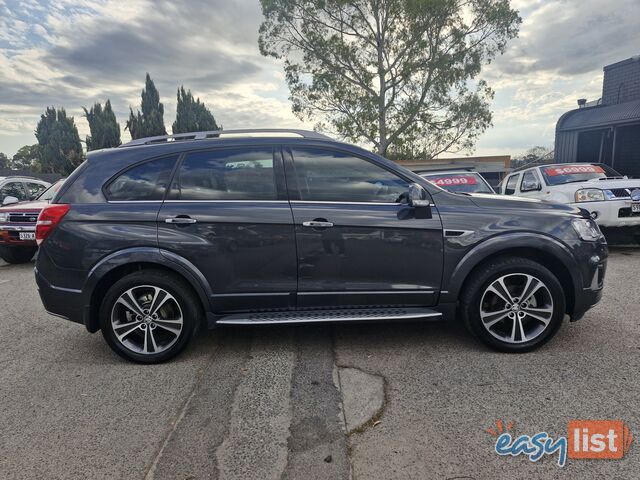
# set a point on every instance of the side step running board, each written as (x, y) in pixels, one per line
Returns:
(335, 315)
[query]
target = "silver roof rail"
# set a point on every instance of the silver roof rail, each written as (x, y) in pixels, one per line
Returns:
(261, 132)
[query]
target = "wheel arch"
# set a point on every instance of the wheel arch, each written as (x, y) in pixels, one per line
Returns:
(547, 251)
(121, 263)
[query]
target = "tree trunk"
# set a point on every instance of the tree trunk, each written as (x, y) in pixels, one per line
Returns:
(382, 97)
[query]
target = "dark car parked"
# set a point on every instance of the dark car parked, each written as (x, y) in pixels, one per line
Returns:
(152, 240)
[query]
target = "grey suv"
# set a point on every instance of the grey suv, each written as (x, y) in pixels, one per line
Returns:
(152, 240)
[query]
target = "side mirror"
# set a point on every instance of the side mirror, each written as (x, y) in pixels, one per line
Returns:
(418, 196)
(528, 186)
(9, 200)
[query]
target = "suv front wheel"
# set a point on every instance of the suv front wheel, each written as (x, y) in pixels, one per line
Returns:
(513, 305)
(149, 316)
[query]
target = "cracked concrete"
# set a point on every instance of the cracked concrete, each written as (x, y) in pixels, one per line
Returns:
(317, 444)
(362, 397)
(256, 445)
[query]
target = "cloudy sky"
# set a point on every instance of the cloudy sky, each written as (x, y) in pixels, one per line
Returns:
(72, 53)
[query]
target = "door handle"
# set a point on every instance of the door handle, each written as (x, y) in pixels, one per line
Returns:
(317, 224)
(181, 219)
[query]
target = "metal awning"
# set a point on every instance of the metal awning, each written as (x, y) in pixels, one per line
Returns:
(600, 116)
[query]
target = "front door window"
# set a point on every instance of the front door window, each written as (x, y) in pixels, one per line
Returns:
(324, 175)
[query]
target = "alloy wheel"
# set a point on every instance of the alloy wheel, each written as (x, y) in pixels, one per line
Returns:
(147, 320)
(516, 308)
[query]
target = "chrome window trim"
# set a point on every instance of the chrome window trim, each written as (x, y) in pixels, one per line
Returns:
(226, 201)
(197, 201)
(328, 202)
(134, 201)
(309, 202)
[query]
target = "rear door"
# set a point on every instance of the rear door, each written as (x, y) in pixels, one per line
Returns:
(357, 243)
(227, 213)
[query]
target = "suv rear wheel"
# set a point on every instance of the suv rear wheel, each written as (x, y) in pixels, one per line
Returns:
(149, 316)
(513, 305)
(17, 254)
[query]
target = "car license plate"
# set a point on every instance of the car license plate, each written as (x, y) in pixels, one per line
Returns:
(635, 207)
(27, 236)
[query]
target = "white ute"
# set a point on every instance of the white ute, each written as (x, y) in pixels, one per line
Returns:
(612, 199)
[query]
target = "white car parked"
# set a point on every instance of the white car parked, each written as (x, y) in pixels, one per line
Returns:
(612, 199)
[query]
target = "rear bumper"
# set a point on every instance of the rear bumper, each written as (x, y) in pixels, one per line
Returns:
(61, 302)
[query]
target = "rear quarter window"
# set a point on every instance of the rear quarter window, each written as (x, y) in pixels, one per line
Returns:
(143, 182)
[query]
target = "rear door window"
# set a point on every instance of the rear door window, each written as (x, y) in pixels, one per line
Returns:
(143, 182)
(35, 189)
(234, 174)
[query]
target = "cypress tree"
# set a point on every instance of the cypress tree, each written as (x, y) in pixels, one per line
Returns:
(105, 130)
(151, 121)
(59, 148)
(192, 115)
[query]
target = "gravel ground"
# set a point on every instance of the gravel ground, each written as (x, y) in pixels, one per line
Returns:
(271, 402)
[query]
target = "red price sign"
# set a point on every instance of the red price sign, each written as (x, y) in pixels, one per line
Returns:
(454, 180)
(573, 170)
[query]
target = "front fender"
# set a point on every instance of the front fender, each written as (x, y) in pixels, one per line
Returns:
(560, 197)
(146, 255)
(503, 243)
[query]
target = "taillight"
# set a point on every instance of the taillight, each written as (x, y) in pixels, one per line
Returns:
(49, 219)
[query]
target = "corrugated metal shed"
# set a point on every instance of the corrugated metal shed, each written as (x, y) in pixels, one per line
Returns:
(600, 116)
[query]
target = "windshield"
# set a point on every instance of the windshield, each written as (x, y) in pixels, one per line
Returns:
(460, 182)
(48, 194)
(561, 174)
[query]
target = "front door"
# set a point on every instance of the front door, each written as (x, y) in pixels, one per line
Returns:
(227, 213)
(358, 243)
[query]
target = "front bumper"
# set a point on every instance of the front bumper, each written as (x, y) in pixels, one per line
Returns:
(61, 302)
(594, 270)
(611, 213)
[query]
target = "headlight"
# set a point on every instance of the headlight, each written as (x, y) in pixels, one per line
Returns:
(587, 229)
(3, 217)
(590, 195)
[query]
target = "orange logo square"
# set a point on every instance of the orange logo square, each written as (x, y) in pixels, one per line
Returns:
(598, 439)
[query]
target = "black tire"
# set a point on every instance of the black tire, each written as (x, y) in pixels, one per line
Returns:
(17, 255)
(187, 301)
(482, 279)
